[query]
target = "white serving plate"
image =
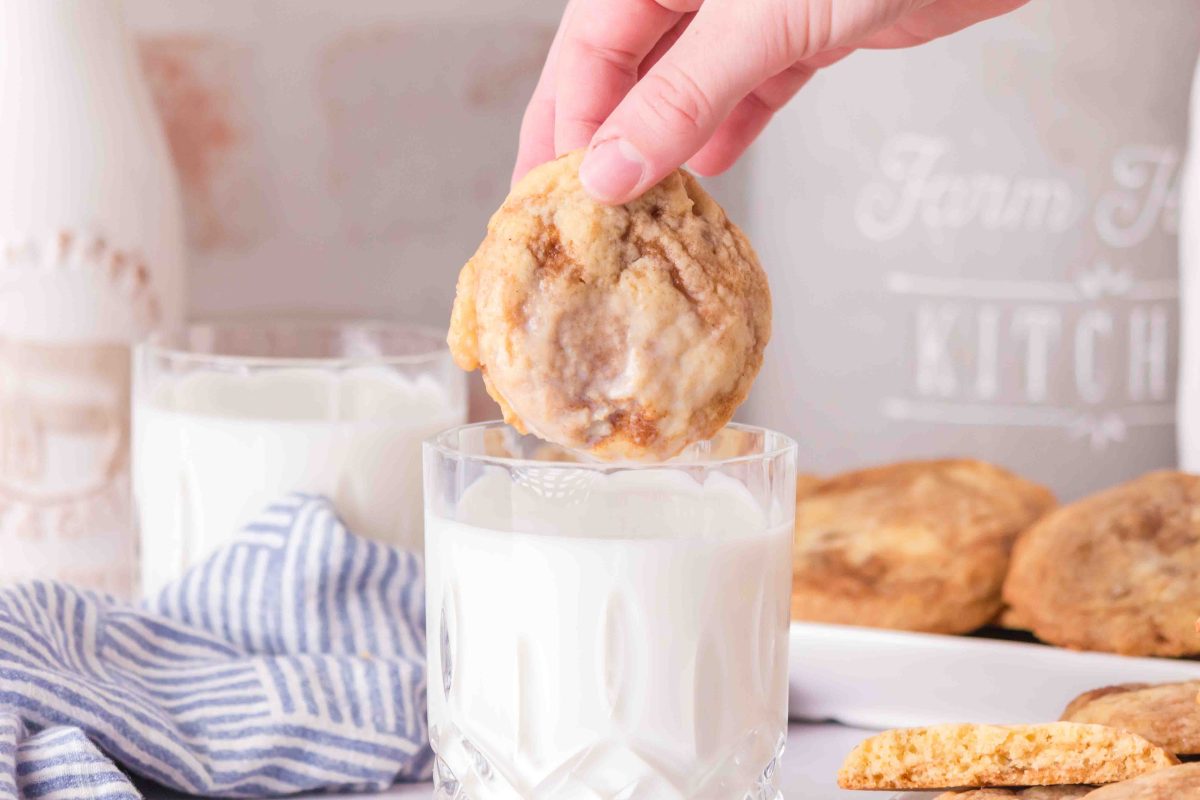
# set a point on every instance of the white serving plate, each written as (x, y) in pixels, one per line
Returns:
(890, 679)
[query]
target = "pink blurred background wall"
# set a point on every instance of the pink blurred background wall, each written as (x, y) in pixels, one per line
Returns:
(330, 152)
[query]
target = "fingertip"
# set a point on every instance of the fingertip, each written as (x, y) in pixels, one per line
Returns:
(570, 135)
(720, 152)
(536, 143)
(525, 162)
(707, 166)
(613, 171)
(732, 137)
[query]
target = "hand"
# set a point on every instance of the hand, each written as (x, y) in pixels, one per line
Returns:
(647, 85)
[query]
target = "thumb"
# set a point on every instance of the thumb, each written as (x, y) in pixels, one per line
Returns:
(673, 110)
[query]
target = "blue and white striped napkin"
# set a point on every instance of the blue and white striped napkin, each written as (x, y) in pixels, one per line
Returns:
(291, 660)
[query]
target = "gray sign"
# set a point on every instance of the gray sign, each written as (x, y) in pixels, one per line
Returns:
(972, 247)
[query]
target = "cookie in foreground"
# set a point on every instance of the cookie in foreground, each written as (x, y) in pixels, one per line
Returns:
(1031, 793)
(917, 545)
(1166, 714)
(627, 331)
(1175, 783)
(967, 755)
(1116, 571)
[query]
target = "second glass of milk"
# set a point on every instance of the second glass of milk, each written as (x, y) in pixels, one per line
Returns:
(230, 417)
(607, 630)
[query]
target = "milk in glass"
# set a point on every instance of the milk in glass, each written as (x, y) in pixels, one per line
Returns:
(213, 447)
(607, 634)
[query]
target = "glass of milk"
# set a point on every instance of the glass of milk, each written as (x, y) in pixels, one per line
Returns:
(229, 417)
(603, 630)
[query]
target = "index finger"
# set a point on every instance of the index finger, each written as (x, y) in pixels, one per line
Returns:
(598, 62)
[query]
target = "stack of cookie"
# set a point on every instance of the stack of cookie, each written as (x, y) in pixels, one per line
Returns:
(1117, 743)
(943, 546)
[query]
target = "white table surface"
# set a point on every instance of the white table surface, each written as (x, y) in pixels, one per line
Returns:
(810, 763)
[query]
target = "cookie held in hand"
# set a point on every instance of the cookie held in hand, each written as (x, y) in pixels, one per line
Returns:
(918, 545)
(1166, 714)
(627, 331)
(1116, 571)
(946, 756)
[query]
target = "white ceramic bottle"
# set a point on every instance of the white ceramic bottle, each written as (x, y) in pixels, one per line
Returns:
(91, 258)
(1188, 408)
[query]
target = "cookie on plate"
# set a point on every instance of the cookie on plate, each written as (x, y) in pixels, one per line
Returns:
(627, 331)
(918, 545)
(1032, 793)
(1011, 620)
(1176, 783)
(946, 756)
(1117, 571)
(1166, 714)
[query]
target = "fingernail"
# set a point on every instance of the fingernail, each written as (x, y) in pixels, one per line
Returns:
(612, 170)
